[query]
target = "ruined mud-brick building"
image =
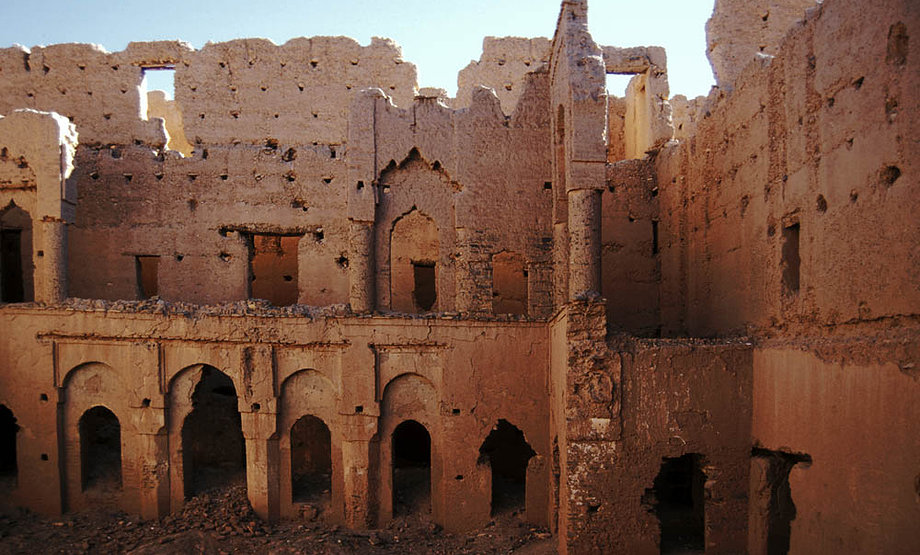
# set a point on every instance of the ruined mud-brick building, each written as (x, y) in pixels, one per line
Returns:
(642, 322)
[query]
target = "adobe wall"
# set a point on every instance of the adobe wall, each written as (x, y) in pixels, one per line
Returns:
(852, 407)
(808, 164)
(130, 357)
(678, 397)
(741, 30)
(287, 172)
(819, 138)
(503, 65)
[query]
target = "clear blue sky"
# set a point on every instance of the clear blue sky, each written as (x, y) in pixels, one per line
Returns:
(440, 37)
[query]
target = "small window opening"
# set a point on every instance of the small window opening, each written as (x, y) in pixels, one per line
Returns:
(311, 460)
(654, 237)
(147, 270)
(161, 78)
(679, 493)
(213, 450)
(273, 268)
(424, 292)
(411, 469)
(100, 450)
(507, 453)
(9, 469)
(791, 261)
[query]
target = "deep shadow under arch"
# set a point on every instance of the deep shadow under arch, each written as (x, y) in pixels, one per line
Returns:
(507, 452)
(311, 460)
(411, 469)
(100, 450)
(213, 448)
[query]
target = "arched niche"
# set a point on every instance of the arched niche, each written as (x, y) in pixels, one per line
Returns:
(414, 257)
(310, 448)
(416, 189)
(409, 397)
(94, 394)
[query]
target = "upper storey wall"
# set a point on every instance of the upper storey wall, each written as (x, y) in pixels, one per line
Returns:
(247, 90)
(794, 205)
(250, 90)
(502, 67)
(98, 91)
(739, 30)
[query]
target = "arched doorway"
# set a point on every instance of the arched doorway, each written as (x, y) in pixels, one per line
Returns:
(411, 469)
(100, 450)
(311, 460)
(213, 449)
(507, 453)
(9, 469)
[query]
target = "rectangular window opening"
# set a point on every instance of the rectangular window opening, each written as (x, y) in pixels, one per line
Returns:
(791, 260)
(273, 268)
(654, 237)
(425, 293)
(160, 78)
(147, 268)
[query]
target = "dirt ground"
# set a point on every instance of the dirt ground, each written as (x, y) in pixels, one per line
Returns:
(222, 521)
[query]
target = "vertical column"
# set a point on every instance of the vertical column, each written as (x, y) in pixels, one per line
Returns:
(50, 258)
(262, 464)
(359, 454)
(152, 450)
(584, 243)
(361, 267)
(362, 202)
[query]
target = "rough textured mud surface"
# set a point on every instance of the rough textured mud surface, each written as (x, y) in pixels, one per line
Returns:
(309, 307)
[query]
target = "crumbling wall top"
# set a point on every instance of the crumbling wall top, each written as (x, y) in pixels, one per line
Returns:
(739, 30)
(502, 67)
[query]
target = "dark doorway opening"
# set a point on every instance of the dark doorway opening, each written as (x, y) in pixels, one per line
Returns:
(213, 449)
(11, 263)
(781, 509)
(147, 269)
(679, 504)
(411, 469)
(100, 450)
(15, 255)
(508, 453)
(311, 460)
(425, 292)
(8, 464)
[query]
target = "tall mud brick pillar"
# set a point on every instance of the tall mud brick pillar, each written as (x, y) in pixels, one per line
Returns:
(362, 175)
(587, 398)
